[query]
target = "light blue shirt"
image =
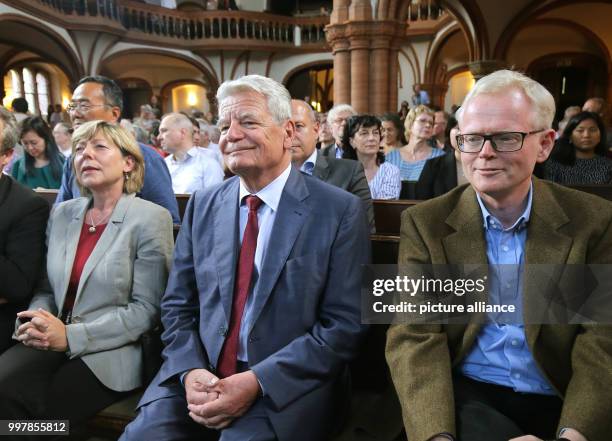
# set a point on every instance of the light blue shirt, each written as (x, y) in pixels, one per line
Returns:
(309, 165)
(339, 151)
(410, 171)
(501, 354)
(270, 195)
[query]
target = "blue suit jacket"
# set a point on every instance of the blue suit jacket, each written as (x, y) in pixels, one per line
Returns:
(157, 186)
(307, 321)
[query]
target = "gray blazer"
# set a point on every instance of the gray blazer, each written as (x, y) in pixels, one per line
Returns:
(120, 288)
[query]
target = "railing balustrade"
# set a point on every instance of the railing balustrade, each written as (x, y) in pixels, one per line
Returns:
(198, 25)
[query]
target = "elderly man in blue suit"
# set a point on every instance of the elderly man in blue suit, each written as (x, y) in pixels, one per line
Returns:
(262, 309)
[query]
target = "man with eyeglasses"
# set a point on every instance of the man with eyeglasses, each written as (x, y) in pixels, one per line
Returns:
(100, 98)
(336, 118)
(515, 380)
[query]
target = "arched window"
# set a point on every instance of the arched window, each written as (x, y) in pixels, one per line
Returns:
(16, 83)
(30, 89)
(42, 89)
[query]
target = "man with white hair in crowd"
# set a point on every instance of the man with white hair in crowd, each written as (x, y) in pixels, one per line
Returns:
(190, 167)
(336, 118)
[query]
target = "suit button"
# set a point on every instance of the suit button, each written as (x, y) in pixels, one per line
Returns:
(223, 331)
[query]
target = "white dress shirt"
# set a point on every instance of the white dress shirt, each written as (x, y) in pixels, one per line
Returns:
(199, 169)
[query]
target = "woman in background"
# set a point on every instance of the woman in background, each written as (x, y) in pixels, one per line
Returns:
(361, 141)
(579, 156)
(411, 158)
(392, 133)
(107, 265)
(41, 165)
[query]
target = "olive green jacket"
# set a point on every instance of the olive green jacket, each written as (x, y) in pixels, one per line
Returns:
(565, 226)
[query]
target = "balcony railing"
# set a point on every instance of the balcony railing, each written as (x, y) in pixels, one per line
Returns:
(143, 22)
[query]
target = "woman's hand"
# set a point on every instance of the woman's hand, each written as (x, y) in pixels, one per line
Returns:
(43, 331)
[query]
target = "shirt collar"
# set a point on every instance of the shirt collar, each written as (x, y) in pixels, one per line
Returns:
(271, 193)
(521, 222)
(310, 163)
(193, 151)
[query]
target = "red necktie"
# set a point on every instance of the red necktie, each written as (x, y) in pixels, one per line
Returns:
(244, 273)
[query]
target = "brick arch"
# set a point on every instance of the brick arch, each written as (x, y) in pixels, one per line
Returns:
(211, 82)
(530, 12)
(71, 66)
(472, 22)
(432, 61)
(586, 32)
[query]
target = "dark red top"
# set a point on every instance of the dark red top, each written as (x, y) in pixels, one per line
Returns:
(87, 243)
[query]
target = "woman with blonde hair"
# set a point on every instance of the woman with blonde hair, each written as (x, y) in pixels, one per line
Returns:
(107, 265)
(411, 158)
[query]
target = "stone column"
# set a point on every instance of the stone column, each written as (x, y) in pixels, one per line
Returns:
(342, 72)
(393, 105)
(380, 73)
(365, 65)
(360, 75)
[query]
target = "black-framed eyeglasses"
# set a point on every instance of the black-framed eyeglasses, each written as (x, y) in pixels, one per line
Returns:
(83, 107)
(501, 142)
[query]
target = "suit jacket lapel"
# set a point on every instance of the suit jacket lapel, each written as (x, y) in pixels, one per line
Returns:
(73, 234)
(321, 170)
(292, 213)
(545, 245)
(467, 244)
(226, 243)
(106, 239)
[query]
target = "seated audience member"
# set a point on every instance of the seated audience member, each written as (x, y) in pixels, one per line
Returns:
(62, 133)
(439, 139)
(579, 156)
(206, 143)
(107, 265)
(411, 158)
(100, 98)
(336, 118)
(570, 112)
(392, 133)
(343, 173)
(266, 361)
(598, 105)
(41, 165)
(505, 381)
(361, 141)
(56, 116)
(324, 137)
(403, 111)
(23, 219)
(20, 109)
(443, 173)
(191, 168)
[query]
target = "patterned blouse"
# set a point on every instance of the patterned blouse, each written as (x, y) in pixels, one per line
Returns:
(386, 183)
(410, 171)
(597, 170)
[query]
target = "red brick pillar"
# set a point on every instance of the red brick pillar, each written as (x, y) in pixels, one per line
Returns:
(360, 75)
